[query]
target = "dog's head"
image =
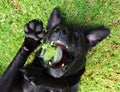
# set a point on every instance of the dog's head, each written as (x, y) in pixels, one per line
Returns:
(74, 45)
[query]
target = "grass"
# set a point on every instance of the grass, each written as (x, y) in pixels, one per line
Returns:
(103, 64)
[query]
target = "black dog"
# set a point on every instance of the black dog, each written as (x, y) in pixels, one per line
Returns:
(40, 76)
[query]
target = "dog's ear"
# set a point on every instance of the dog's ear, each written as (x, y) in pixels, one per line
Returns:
(54, 20)
(95, 36)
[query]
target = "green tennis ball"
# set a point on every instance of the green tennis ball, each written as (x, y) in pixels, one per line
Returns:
(48, 52)
(51, 52)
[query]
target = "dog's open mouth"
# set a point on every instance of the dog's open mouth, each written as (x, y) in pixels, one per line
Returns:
(60, 59)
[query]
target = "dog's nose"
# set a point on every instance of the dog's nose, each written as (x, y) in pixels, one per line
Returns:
(59, 34)
(62, 31)
(63, 34)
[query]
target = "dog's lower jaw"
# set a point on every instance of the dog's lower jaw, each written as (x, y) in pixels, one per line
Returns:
(56, 73)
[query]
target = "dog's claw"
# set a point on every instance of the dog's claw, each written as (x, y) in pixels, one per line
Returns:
(34, 30)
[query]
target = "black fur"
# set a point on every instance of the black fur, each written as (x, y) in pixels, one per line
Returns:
(41, 77)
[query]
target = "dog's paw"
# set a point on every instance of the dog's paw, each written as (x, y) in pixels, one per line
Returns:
(34, 30)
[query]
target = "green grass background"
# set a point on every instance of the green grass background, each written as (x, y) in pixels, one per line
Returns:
(103, 64)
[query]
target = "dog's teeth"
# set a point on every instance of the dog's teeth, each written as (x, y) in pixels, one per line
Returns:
(52, 43)
(66, 47)
(63, 65)
(50, 63)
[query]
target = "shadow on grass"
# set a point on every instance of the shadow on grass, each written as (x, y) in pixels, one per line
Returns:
(77, 16)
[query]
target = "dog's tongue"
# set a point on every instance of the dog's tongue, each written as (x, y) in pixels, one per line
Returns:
(59, 54)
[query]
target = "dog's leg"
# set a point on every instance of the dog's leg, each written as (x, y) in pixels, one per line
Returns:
(74, 88)
(33, 34)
